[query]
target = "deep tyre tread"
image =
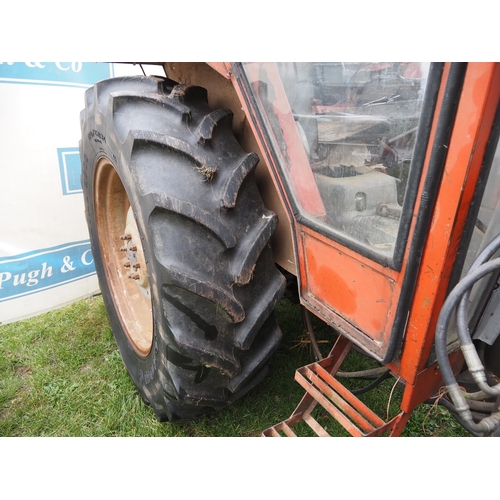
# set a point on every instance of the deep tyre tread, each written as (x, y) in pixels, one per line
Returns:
(205, 236)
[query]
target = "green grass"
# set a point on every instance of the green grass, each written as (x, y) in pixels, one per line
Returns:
(61, 375)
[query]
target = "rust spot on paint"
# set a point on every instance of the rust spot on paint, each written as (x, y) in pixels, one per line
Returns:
(333, 286)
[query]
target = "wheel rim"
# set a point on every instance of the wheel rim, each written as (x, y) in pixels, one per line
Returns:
(123, 257)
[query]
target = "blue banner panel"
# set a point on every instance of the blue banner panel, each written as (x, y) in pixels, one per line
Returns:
(73, 74)
(39, 270)
(70, 169)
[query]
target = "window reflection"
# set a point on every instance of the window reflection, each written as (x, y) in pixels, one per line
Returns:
(357, 124)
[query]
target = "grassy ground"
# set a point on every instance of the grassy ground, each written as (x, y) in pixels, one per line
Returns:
(61, 375)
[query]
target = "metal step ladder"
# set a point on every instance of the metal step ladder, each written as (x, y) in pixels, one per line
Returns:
(340, 404)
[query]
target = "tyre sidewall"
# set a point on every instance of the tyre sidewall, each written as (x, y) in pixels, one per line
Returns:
(145, 371)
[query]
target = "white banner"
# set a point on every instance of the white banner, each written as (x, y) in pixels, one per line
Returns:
(45, 258)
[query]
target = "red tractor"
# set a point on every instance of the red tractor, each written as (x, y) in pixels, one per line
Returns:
(369, 190)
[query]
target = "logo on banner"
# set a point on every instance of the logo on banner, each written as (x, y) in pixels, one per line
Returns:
(40, 270)
(73, 74)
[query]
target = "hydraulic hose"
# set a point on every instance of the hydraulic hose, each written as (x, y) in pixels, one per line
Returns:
(490, 423)
(473, 360)
(374, 384)
(451, 408)
(370, 374)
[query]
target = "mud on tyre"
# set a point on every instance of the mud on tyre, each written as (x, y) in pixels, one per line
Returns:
(180, 239)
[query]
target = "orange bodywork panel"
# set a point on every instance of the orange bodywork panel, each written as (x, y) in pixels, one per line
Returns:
(342, 286)
(222, 68)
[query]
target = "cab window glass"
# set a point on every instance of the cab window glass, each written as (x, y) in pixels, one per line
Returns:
(356, 126)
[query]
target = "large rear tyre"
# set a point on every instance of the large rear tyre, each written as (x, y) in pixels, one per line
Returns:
(180, 240)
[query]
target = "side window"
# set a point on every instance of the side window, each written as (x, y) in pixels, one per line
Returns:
(357, 125)
(487, 224)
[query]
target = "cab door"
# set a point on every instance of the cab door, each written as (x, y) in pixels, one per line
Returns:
(359, 154)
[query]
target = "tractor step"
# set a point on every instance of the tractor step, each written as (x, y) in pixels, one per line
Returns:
(341, 404)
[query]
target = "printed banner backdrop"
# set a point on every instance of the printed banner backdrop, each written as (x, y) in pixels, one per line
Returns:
(45, 257)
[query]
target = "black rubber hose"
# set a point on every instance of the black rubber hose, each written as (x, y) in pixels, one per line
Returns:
(370, 374)
(481, 406)
(451, 408)
(374, 384)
